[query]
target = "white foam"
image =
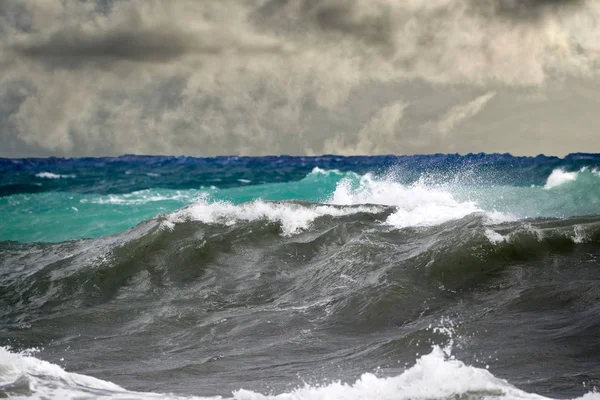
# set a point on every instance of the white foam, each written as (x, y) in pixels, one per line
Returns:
(327, 172)
(579, 234)
(416, 205)
(559, 177)
(494, 237)
(434, 376)
(431, 214)
(147, 196)
(22, 369)
(293, 217)
(50, 175)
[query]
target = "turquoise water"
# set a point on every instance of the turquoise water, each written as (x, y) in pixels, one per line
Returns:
(60, 216)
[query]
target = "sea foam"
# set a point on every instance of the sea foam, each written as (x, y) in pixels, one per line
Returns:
(51, 175)
(414, 205)
(433, 376)
(293, 217)
(417, 204)
(559, 177)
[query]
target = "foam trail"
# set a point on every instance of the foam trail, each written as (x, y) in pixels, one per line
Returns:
(559, 177)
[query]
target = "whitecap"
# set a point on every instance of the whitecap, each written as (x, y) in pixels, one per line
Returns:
(416, 205)
(51, 175)
(293, 217)
(559, 177)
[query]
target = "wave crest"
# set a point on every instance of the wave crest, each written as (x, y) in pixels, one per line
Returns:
(293, 217)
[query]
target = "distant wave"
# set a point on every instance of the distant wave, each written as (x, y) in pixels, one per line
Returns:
(51, 175)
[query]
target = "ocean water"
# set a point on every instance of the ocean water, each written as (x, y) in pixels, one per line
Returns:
(421, 277)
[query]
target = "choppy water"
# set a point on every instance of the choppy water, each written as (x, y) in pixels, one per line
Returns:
(429, 277)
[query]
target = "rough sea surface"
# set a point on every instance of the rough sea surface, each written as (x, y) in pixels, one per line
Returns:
(423, 277)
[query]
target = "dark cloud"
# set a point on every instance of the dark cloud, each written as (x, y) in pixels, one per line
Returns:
(525, 10)
(111, 34)
(375, 27)
(157, 44)
(138, 45)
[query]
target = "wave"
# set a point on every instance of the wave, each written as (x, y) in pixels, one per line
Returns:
(413, 205)
(241, 281)
(456, 253)
(429, 201)
(436, 375)
(51, 175)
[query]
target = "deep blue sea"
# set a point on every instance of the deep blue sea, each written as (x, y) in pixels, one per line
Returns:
(384, 277)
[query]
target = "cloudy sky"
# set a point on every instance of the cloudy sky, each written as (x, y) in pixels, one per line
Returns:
(252, 77)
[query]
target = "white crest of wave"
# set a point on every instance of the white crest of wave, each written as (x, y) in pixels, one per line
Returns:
(416, 205)
(294, 218)
(22, 374)
(559, 177)
(434, 376)
(327, 172)
(51, 175)
(494, 237)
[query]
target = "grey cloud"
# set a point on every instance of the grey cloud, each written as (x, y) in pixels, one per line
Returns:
(383, 22)
(375, 27)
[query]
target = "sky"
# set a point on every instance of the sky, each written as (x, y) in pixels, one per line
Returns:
(299, 77)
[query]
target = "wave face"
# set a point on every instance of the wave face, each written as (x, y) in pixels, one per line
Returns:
(432, 278)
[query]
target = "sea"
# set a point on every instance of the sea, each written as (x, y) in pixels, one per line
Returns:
(445, 276)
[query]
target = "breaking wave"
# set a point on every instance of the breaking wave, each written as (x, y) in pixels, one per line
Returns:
(436, 375)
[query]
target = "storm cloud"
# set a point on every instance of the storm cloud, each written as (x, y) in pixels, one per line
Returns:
(255, 77)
